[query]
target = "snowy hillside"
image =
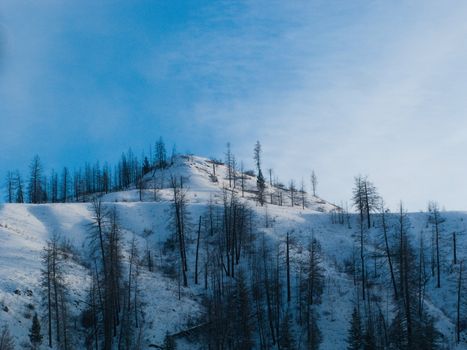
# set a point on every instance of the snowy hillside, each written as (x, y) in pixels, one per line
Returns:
(206, 179)
(170, 308)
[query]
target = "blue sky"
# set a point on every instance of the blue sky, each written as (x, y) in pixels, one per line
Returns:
(342, 87)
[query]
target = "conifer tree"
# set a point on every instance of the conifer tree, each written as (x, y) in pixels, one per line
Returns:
(35, 181)
(169, 343)
(260, 181)
(314, 333)
(9, 185)
(244, 327)
(411, 328)
(286, 340)
(146, 166)
(314, 182)
(355, 337)
(19, 188)
(161, 154)
(35, 335)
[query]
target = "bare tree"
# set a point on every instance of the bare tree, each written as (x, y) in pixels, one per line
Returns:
(287, 262)
(454, 248)
(242, 174)
(365, 198)
(197, 250)
(179, 217)
(54, 294)
(385, 228)
(228, 164)
(302, 193)
(436, 220)
(6, 340)
(458, 307)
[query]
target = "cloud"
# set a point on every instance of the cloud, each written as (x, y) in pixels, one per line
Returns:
(365, 88)
(342, 87)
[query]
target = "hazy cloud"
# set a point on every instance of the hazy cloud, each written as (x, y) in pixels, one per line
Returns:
(344, 87)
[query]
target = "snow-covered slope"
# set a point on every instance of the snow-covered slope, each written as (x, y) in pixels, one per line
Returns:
(205, 180)
(25, 229)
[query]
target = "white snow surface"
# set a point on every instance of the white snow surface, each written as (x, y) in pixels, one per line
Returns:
(25, 228)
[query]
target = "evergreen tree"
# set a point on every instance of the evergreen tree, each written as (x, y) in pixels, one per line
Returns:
(411, 328)
(369, 341)
(260, 181)
(430, 338)
(169, 342)
(19, 188)
(146, 166)
(313, 284)
(355, 338)
(9, 185)
(35, 335)
(314, 182)
(244, 327)
(314, 333)
(160, 154)
(35, 181)
(286, 340)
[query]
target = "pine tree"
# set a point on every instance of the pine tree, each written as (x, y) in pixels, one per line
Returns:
(260, 181)
(314, 182)
(35, 181)
(146, 166)
(286, 341)
(169, 343)
(9, 184)
(314, 282)
(35, 335)
(244, 327)
(411, 328)
(369, 341)
(355, 337)
(19, 188)
(160, 154)
(314, 333)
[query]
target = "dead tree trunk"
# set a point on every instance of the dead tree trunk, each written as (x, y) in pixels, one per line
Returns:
(197, 251)
(388, 252)
(288, 268)
(459, 290)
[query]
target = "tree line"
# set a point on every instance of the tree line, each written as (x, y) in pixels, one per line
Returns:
(81, 184)
(387, 254)
(258, 292)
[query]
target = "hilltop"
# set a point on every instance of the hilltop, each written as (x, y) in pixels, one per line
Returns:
(144, 213)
